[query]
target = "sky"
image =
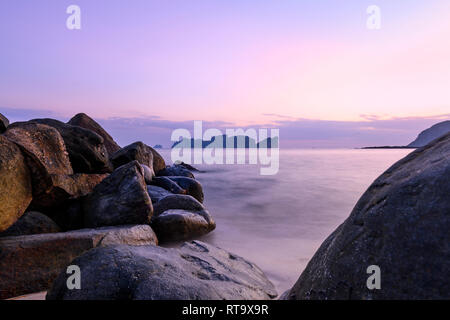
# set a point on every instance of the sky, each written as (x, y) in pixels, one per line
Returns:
(311, 68)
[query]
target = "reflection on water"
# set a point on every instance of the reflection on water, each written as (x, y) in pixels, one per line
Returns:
(279, 221)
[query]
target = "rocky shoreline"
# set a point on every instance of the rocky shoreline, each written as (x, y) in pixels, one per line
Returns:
(69, 193)
(71, 196)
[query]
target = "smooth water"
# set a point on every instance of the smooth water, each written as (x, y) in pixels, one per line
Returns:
(279, 221)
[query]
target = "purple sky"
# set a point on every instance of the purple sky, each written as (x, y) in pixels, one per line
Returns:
(311, 68)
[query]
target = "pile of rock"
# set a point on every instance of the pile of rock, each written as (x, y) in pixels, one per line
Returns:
(66, 188)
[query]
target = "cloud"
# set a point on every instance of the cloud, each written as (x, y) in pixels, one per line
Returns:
(371, 130)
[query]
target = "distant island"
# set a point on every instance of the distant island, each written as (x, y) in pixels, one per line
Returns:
(158, 146)
(424, 138)
(223, 141)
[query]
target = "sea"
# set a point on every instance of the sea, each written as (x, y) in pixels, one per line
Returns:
(279, 221)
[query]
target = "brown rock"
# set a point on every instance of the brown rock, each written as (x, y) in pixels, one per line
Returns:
(31, 223)
(84, 121)
(15, 184)
(4, 122)
(30, 263)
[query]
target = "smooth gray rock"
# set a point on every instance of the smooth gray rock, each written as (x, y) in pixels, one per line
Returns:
(4, 123)
(180, 217)
(428, 135)
(176, 171)
(86, 149)
(31, 223)
(192, 187)
(30, 264)
(196, 271)
(120, 199)
(400, 224)
(157, 193)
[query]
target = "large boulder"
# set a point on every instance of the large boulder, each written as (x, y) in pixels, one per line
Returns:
(31, 223)
(86, 149)
(120, 199)
(176, 171)
(192, 187)
(4, 123)
(84, 121)
(137, 151)
(181, 217)
(52, 175)
(31, 263)
(15, 183)
(401, 224)
(196, 271)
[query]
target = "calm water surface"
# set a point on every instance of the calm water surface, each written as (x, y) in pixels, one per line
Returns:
(279, 221)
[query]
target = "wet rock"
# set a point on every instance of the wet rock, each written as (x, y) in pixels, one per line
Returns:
(31, 223)
(197, 271)
(148, 173)
(15, 183)
(4, 123)
(158, 161)
(400, 224)
(168, 184)
(192, 187)
(120, 199)
(157, 193)
(180, 217)
(30, 264)
(86, 149)
(137, 151)
(84, 121)
(175, 170)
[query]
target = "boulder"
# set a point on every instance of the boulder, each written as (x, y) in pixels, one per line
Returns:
(84, 121)
(31, 223)
(157, 193)
(192, 187)
(15, 184)
(52, 175)
(187, 166)
(401, 224)
(30, 264)
(196, 271)
(86, 150)
(4, 123)
(175, 170)
(137, 151)
(168, 184)
(158, 161)
(180, 217)
(120, 199)
(148, 173)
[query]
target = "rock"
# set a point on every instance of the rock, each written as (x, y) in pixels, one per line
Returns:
(400, 224)
(86, 150)
(4, 123)
(84, 121)
(15, 184)
(148, 174)
(52, 175)
(30, 264)
(192, 187)
(120, 199)
(69, 215)
(187, 166)
(428, 135)
(175, 170)
(137, 151)
(196, 271)
(158, 161)
(31, 223)
(157, 193)
(168, 184)
(179, 217)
